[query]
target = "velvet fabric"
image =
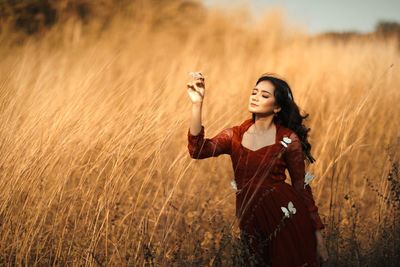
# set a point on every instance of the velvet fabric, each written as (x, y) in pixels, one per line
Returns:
(276, 239)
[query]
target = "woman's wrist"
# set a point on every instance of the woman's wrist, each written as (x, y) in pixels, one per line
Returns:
(197, 104)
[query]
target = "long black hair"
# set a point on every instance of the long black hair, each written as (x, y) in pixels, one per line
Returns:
(289, 115)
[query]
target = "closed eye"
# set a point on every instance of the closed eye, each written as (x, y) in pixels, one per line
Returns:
(265, 96)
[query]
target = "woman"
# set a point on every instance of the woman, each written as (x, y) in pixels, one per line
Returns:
(279, 221)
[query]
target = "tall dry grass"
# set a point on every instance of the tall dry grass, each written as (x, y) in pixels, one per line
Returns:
(94, 162)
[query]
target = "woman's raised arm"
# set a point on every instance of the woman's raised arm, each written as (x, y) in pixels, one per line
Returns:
(196, 91)
(198, 146)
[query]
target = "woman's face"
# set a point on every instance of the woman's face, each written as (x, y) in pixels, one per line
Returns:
(262, 99)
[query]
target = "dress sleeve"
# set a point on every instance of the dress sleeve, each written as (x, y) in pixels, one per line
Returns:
(295, 163)
(200, 147)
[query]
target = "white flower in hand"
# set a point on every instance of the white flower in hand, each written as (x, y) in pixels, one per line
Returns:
(196, 75)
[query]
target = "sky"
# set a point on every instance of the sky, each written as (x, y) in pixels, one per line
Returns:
(325, 15)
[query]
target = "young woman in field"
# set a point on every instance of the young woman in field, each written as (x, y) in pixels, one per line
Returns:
(279, 221)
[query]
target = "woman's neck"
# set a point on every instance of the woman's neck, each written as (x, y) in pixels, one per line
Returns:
(263, 124)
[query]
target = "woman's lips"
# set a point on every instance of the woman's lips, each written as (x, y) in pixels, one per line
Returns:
(253, 105)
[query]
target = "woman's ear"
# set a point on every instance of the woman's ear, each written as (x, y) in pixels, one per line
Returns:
(277, 109)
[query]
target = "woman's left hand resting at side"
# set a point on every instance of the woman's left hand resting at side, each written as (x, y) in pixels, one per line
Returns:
(321, 248)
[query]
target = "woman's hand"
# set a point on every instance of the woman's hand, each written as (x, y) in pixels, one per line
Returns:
(196, 90)
(321, 248)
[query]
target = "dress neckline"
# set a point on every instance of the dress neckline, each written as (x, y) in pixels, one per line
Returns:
(247, 125)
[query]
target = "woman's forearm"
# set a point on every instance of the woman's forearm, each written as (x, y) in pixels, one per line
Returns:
(195, 121)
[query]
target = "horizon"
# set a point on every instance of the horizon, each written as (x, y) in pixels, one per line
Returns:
(327, 16)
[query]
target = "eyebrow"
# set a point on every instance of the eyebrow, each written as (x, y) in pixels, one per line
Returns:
(261, 90)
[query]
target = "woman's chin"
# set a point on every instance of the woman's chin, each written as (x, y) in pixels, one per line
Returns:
(253, 110)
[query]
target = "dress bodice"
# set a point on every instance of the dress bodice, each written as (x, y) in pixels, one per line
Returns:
(264, 163)
(262, 167)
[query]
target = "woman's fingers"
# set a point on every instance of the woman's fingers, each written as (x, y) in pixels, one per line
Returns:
(196, 88)
(323, 253)
(197, 84)
(200, 84)
(190, 85)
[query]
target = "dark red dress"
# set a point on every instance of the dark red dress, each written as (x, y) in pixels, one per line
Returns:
(262, 191)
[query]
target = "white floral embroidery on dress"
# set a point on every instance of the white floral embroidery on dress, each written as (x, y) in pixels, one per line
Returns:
(308, 178)
(233, 184)
(285, 141)
(290, 210)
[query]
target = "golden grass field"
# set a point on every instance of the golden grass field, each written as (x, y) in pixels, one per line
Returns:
(94, 162)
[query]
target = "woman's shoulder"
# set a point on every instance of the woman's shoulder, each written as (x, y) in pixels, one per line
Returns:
(287, 132)
(237, 128)
(244, 124)
(241, 124)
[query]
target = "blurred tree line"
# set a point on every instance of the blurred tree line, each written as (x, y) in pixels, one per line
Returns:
(388, 28)
(383, 30)
(32, 16)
